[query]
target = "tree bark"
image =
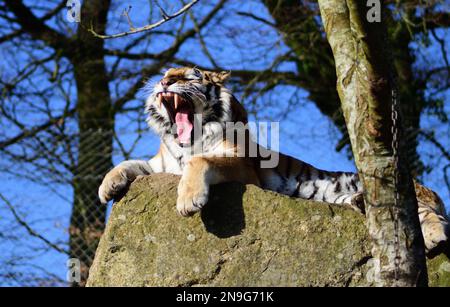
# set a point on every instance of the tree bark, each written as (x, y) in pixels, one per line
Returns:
(96, 128)
(303, 35)
(364, 86)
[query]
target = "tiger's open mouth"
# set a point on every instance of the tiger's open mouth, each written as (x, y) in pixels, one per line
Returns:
(181, 112)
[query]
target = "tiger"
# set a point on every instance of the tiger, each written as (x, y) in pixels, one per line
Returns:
(187, 100)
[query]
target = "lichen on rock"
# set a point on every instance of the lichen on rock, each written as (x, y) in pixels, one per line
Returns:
(245, 236)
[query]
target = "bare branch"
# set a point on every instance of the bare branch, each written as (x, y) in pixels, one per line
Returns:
(149, 27)
(35, 26)
(257, 18)
(35, 130)
(10, 36)
(28, 228)
(442, 43)
(165, 57)
(202, 41)
(54, 11)
(431, 138)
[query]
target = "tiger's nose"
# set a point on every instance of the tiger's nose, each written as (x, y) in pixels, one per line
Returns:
(167, 82)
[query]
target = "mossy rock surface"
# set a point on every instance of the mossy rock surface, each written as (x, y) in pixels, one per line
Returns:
(245, 236)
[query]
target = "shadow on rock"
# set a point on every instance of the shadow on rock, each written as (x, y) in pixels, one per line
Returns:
(224, 216)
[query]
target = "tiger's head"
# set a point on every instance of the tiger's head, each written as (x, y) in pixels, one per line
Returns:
(186, 92)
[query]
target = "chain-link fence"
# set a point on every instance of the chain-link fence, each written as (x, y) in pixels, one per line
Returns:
(50, 218)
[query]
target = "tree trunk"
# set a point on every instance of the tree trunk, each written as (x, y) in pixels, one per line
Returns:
(96, 124)
(314, 59)
(364, 86)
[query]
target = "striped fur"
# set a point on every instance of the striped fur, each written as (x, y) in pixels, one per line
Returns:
(219, 159)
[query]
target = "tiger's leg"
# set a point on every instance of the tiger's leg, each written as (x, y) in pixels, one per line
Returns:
(432, 216)
(433, 219)
(346, 190)
(117, 181)
(295, 178)
(201, 172)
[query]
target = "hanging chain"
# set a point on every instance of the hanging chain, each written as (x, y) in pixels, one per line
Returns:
(395, 152)
(395, 141)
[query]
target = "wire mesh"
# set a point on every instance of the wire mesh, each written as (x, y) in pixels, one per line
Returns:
(54, 242)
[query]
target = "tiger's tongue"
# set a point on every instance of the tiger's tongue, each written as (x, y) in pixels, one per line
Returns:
(184, 126)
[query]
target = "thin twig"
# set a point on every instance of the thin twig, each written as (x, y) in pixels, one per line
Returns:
(126, 13)
(28, 228)
(257, 18)
(202, 41)
(149, 27)
(35, 130)
(431, 138)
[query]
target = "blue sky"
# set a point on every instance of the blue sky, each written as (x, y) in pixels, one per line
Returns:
(235, 43)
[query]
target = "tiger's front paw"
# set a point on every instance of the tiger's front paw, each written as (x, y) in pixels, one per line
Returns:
(192, 196)
(114, 185)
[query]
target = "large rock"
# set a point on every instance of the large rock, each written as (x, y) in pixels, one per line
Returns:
(244, 237)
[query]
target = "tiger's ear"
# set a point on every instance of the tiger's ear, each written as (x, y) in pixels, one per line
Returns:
(220, 77)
